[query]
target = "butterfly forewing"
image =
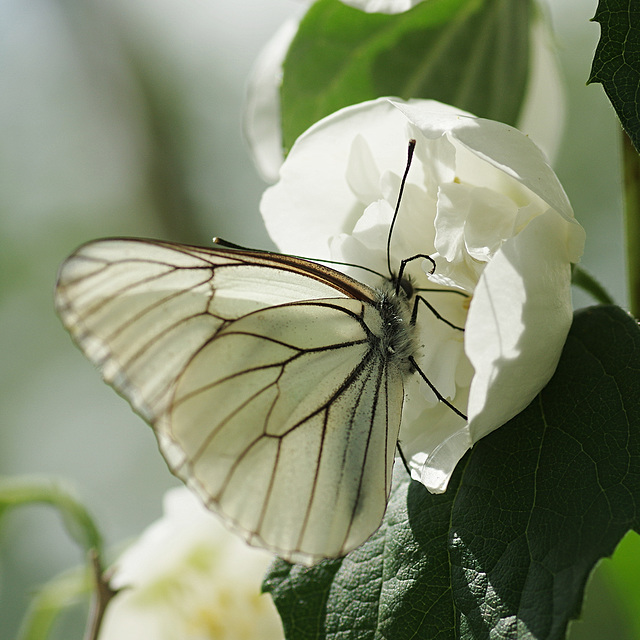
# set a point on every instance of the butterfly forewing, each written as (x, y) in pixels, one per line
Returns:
(262, 376)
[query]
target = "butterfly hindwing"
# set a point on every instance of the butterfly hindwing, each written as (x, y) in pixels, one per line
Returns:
(262, 378)
(302, 427)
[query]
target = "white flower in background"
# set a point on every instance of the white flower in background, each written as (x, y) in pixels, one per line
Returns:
(189, 578)
(480, 199)
(541, 116)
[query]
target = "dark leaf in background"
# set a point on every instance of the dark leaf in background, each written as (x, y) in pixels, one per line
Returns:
(616, 63)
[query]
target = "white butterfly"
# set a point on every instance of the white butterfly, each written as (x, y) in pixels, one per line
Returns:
(273, 384)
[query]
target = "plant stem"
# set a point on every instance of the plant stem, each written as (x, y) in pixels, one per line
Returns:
(631, 168)
(20, 490)
(585, 281)
(102, 595)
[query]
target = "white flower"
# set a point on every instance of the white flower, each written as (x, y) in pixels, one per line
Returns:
(188, 578)
(541, 116)
(480, 199)
(383, 6)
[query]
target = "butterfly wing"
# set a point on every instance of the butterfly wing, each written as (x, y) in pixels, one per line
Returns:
(264, 384)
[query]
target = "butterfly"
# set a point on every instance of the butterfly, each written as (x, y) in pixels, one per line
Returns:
(274, 384)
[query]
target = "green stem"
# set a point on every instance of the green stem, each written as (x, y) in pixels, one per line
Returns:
(585, 281)
(631, 167)
(22, 490)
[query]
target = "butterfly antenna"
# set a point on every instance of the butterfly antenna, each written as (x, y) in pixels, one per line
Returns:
(412, 146)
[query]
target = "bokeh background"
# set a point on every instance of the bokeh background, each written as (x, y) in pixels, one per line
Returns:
(123, 117)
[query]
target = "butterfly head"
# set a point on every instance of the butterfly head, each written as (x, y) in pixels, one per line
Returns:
(403, 287)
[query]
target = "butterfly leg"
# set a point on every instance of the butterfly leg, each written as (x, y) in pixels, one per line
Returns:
(433, 310)
(403, 458)
(438, 395)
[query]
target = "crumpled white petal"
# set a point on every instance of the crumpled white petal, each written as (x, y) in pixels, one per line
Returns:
(484, 203)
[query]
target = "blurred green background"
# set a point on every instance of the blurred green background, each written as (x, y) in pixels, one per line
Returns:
(124, 118)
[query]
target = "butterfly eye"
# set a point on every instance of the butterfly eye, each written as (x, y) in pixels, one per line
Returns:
(407, 288)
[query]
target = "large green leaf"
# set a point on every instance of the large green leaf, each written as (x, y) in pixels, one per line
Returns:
(616, 63)
(473, 54)
(506, 551)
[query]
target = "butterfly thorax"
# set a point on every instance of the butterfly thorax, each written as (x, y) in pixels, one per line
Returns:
(398, 339)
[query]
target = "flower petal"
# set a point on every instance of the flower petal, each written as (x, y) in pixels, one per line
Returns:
(518, 321)
(501, 146)
(383, 6)
(543, 110)
(438, 466)
(262, 103)
(313, 200)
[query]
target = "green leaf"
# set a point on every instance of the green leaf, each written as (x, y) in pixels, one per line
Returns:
(622, 575)
(616, 63)
(473, 54)
(506, 551)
